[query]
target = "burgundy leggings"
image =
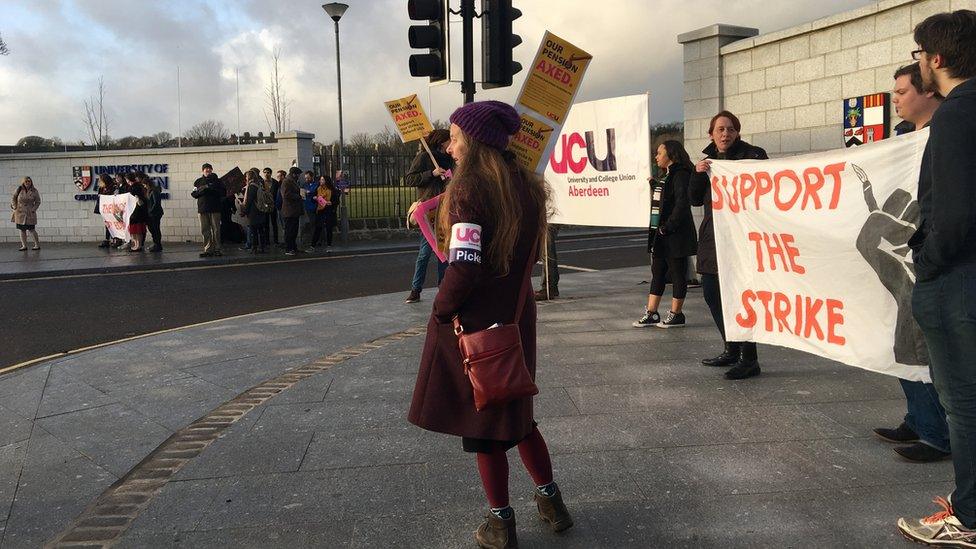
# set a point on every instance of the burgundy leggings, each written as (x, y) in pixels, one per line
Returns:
(494, 467)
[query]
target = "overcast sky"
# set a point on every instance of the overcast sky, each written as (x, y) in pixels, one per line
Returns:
(59, 48)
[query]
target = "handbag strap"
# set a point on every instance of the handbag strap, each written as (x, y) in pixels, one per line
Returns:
(523, 292)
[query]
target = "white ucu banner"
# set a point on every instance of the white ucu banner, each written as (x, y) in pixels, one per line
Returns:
(600, 163)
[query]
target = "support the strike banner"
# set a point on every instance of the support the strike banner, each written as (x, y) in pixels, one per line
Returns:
(813, 255)
(115, 210)
(599, 167)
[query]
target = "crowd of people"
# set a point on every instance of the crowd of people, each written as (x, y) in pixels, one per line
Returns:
(294, 201)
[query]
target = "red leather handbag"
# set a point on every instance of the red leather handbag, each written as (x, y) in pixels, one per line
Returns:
(493, 357)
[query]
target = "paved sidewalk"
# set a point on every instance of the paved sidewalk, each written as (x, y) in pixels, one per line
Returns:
(650, 448)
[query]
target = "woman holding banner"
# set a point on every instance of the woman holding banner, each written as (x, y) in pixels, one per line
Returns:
(105, 186)
(430, 181)
(495, 214)
(726, 144)
(139, 218)
(673, 241)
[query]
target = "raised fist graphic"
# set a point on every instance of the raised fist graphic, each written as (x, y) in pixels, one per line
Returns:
(883, 242)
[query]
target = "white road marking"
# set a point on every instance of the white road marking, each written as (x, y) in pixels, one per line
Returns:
(580, 269)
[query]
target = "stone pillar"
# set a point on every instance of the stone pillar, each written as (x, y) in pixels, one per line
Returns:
(703, 95)
(295, 146)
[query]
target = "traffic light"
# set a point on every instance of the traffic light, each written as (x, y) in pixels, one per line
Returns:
(432, 37)
(497, 43)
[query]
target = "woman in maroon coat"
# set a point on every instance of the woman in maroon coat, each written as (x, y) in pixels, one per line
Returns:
(491, 196)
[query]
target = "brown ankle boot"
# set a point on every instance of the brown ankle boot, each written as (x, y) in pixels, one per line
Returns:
(496, 533)
(553, 510)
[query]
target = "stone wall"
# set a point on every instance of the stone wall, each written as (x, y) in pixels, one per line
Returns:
(787, 87)
(62, 218)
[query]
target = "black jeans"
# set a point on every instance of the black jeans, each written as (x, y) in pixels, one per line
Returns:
(271, 229)
(291, 234)
(678, 267)
(322, 221)
(258, 236)
(155, 231)
(945, 308)
(713, 298)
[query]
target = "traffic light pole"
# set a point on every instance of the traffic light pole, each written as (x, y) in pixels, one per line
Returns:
(467, 84)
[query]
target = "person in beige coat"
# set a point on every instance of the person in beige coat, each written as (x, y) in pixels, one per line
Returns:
(24, 204)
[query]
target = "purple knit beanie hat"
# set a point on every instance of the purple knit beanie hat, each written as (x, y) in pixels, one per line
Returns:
(491, 122)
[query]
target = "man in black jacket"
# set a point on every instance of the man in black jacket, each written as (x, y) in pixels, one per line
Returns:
(209, 192)
(430, 181)
(726, 145)
(944, 253)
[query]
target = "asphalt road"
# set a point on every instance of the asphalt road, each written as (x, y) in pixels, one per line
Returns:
(56, 315)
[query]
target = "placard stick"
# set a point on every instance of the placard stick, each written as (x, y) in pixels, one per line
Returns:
(423, 141)
(545, 262)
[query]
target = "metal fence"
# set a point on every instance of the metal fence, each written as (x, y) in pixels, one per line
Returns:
(377, 189)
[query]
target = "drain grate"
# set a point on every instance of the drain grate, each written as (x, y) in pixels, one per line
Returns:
(105, 520)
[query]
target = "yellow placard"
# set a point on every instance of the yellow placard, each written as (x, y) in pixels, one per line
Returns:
(555, 77)
(410, 119)
(531, 142)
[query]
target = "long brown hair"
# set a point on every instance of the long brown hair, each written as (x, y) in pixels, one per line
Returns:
(484, 180)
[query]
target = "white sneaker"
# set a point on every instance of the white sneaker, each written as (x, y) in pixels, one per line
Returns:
(942, 528)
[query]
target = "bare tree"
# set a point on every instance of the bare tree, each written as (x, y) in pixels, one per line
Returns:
(4, 50)
(160, 139)
(96, 121)
(208, 132)
(278, 110)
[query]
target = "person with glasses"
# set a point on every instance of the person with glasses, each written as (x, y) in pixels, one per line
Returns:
(944, 256)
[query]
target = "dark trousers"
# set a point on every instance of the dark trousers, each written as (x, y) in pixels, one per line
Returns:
(291, 234)
(271, 228)
(154, 230)
(258, 236)
(945, 308)
(550, 274)
(678, 267)
(322, 222)
(713, 298)
(925, 415)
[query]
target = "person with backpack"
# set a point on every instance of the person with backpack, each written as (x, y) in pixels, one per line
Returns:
(271, 185)
(291, 209)
(257, 205)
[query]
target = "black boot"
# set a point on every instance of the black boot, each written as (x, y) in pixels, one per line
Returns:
(748, 364)
(728, 357)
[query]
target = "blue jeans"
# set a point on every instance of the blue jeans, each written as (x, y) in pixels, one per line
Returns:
(945, 308)
(420, 270)
(925, 415)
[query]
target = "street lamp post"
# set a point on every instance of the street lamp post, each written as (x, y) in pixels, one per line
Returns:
(335, 11)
